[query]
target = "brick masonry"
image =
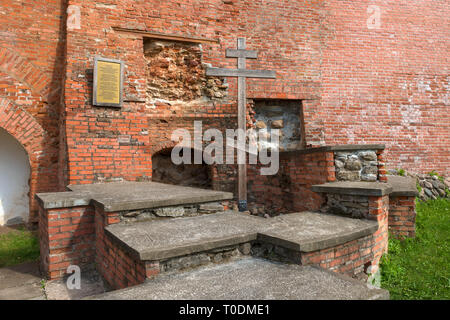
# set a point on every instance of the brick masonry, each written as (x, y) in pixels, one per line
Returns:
(289, 190)
(326, 55)
(402, 216)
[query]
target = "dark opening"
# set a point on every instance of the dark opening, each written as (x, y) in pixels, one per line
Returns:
(192, 175)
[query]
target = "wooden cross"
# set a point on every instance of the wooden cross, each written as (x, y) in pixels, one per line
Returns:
(242, 74)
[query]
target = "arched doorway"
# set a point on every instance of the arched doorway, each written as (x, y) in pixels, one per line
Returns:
(14, 181)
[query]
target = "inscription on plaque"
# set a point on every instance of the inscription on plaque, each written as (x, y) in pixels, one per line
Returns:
(108, 82)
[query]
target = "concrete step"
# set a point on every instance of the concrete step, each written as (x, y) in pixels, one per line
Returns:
(250, 279)
(295, 233)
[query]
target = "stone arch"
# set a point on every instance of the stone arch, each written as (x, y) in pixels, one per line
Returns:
(26, 130)
(22, 69)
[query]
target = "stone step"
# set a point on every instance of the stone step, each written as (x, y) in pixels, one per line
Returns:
(297, 232)
(129, 196)
(250, 279)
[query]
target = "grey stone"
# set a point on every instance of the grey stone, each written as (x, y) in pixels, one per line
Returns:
(260, 125)
(170, 212)
(353, 165)
(343, 175)
(441, 193)
(428, 185)
(368, 155)
(339, 164)
(428, 192)
(210, 207)
(250, 278)
(370, 170)
(277, 124)
(369, 177)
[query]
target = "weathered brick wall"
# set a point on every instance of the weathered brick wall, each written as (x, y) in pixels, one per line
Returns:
(372, 247)
(290, 189)
(116, 266)
(388, 85)
(31, 78)
(402, 216)
(324, 55)
(67, 237)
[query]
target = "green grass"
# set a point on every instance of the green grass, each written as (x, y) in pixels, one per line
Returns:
(18, 246)
(419, 268)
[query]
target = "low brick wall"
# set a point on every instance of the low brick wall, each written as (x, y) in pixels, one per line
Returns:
(402, 216)
(114, 263)
(290, 189)
(67, 237)
(356, 254)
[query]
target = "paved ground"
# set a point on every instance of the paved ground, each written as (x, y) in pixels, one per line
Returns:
(91, 284)
(21, 282)
(24, 282)
(250, 279)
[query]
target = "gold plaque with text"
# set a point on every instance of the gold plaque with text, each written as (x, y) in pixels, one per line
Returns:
(108, 82)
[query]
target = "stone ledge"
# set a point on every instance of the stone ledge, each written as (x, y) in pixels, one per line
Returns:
(343, 147)
(250, 278)
(125, 196)
(302, 232)
(403, 186)
(375, 189)
(56, 200)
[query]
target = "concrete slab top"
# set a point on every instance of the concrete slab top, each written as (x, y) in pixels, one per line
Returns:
(357, 188)
(123, 196)
(305, 231)
(250, 279)
(403, 186)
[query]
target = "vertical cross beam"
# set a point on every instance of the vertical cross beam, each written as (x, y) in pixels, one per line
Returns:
(242, 74)
(242, 124)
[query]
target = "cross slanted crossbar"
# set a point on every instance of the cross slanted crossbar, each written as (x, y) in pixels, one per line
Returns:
(242, 74)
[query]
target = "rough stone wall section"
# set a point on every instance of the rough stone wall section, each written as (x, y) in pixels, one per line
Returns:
(173, 212)
(176, 73)
(357, 165)
(402, 216)
(432, 187)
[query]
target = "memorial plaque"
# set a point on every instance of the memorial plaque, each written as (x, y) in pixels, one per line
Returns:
(108, 82)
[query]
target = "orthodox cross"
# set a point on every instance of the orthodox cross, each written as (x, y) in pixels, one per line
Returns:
(242, 74)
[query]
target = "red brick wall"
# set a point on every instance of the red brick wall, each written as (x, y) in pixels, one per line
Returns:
(67, 237)
(31, 78)
(355, 257)
(402, 216)
(115, 264)
(389, 85)
(351, 258)
(290, 189)
(360, 85)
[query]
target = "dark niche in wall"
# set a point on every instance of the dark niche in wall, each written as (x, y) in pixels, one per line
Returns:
(285, 115)
(192, 175)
